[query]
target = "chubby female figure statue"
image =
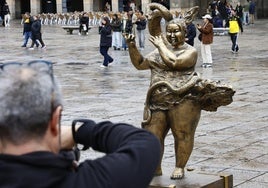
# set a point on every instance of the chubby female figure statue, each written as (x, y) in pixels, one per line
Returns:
(177, 94)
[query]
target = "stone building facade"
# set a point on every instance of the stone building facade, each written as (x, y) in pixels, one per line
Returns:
(19, 7)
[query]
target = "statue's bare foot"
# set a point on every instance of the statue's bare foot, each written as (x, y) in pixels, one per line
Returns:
(178, 173)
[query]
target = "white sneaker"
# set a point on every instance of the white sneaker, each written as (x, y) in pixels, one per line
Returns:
(79, 33)
(43, 47)
(103, 66)
(31, 48)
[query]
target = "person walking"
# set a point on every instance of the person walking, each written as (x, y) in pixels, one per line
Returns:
(206, 33)
(83, 21)
(117, 29)
(126, 28)
(141, 26)
(105, 41)
(6, 15)
(235, 25)
(190, 33)
(251, 10)
(246, 13)
(37, 151)
(36, 33)
(239, 11)
(27, 29)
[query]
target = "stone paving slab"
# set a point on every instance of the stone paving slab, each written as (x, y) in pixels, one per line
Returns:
(232, 140)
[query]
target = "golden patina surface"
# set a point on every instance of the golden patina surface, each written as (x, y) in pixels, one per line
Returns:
(177, 93)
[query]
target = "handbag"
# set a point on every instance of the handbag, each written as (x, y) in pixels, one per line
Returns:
(200, 37)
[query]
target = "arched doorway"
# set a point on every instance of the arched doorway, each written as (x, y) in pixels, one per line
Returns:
(22, 6)
(48, 6)
(75, 5)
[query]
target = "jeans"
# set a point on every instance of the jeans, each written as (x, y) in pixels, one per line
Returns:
(234, 37)
(107, 58)
(141, 37)
(246, 18)
(117, 39)
(27, 35)
(124, 44)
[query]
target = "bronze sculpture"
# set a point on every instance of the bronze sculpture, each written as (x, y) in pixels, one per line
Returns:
(177, 94)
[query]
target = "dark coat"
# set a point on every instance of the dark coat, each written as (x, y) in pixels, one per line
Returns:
(191, 33)
(116, 24)
(141, 24)
(132, 157)
(27, 25)
(106, 34)
(36, 28)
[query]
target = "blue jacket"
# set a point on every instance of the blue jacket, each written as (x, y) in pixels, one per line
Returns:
(191, 34)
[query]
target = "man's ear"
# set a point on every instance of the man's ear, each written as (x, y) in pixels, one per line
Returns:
(54, 122)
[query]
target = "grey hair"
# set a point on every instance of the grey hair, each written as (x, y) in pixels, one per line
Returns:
(26, 100)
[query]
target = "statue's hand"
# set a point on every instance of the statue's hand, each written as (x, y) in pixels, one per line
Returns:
(156, 40)
(129, 38)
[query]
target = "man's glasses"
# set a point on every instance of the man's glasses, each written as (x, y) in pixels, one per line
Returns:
(37, 65)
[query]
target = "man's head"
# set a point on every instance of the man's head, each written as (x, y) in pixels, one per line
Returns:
(30, 100)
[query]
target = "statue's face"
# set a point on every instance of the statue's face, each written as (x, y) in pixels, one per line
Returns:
(175, 34)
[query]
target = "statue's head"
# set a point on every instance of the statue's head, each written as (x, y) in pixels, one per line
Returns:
(176, 26)
(175, 32)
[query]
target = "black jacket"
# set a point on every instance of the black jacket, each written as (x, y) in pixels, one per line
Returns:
(141, 24)
(27, 24)
(106, 36)
(116, 25)
(36, 28)
(191, 34)
(132, 155)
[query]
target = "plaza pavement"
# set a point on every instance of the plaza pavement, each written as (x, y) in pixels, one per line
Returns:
(233, 140)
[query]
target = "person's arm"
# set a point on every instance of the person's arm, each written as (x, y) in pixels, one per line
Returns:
(132, 155)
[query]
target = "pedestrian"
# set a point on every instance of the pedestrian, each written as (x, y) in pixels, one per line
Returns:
(235, 25)
(6, 15)
(246, 13)
(126, 28)
(190, 33)
(105, 41)
(206, 33)
(251, 11)
(117, 29)
(36, 33)
(141, 26)
(37, 151)
(27, 29)
(239, 11)
(83, 21)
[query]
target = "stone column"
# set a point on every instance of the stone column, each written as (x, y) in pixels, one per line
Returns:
(88, 5)
(60, 6)
(114, 5)
(144, 4)
(35, 7)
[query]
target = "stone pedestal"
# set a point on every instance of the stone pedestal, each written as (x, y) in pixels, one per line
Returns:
(194, 180)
